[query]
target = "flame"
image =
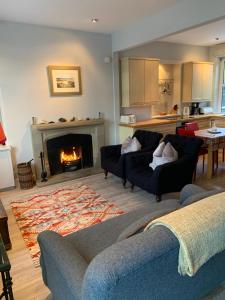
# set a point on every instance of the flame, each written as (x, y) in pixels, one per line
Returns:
(69, 156)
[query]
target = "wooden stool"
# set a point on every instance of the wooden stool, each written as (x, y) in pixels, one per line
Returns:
(4, 227)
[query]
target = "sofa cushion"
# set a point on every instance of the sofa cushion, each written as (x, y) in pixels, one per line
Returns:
(125, 144)
(130, 145)
(159, 150)
(139, 225)
(170, 151)
(168, 154)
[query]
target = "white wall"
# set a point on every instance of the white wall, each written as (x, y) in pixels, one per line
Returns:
(167, 53)
(182, 15)
(217, 51)
(25, 52)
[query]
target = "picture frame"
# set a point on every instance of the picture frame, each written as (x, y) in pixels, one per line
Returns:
(64, 80)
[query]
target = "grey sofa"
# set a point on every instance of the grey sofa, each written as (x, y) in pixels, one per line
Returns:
(111, 260)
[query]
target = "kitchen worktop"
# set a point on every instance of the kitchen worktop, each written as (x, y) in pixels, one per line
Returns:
(169, 120)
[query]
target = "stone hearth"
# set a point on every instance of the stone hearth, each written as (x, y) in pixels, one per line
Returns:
(44, 132)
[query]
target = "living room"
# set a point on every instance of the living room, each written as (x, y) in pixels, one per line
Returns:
(92, 38)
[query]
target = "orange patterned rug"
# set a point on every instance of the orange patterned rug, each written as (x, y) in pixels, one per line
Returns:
(64, 210)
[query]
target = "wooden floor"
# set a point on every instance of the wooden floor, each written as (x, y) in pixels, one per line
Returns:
(27, 281)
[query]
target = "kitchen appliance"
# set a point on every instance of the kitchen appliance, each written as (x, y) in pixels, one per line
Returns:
(128, 119)
(186, 111)
(206, 110)
(194, 109)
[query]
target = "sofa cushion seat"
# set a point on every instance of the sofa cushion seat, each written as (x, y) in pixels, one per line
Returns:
(141, 176)
(94, 239)
(139, 225)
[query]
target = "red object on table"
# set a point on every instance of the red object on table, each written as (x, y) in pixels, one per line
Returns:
(2, 135)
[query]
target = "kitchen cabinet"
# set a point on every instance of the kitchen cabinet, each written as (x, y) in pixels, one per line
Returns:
(220, 121)
(197, 81)
(139, 81)
(203, 123)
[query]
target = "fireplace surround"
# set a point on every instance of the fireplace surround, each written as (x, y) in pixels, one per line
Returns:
(67, 147)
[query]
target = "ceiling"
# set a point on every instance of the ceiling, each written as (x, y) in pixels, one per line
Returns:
(202, 36)
(113, 15)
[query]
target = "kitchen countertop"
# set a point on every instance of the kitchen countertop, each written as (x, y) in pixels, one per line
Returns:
(171, 119)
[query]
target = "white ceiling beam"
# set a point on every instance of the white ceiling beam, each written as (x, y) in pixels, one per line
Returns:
(182, 15)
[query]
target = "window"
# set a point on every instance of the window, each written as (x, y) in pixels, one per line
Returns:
(222, 85)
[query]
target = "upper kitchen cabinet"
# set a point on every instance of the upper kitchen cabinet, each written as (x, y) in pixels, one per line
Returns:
(197, 81)
(139, 81)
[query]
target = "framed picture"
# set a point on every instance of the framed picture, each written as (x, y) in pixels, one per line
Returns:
(64, 81)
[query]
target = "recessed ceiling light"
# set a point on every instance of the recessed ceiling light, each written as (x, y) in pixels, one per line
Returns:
(95, 20)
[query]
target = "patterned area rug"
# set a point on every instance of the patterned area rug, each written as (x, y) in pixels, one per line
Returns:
(64, 210)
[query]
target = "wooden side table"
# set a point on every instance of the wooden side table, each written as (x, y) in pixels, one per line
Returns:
(5, 272)
(4, 231)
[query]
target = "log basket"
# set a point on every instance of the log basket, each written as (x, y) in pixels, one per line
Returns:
(25, 175)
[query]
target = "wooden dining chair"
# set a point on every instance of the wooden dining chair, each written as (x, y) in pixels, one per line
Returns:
(191, 126)
(203, 150)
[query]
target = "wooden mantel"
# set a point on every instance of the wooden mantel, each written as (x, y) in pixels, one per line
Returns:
(60, 125)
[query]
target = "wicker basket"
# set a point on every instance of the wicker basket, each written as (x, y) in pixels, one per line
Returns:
(25, 176)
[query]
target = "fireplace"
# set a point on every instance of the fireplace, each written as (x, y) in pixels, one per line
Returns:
(58, 141)
(69, 153)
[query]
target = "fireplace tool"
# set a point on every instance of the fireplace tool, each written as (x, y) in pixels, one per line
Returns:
(43, 171)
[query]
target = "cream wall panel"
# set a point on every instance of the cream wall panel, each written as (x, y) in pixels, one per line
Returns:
(25, 53)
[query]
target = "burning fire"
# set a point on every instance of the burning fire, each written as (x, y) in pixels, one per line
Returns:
(68, 156)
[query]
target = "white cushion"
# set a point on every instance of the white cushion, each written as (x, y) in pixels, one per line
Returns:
(159, 150)
(157, 161)
(169, 154)
(135, 145)
(132, 146)
(125, 144)
(169, 151)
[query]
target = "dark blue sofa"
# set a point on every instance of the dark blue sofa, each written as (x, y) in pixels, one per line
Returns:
(112, 160)
(169, 177)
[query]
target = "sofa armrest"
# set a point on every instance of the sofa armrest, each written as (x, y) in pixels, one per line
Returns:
(192, 193)
(61, 262)
(173, 175)
(190, 190)
(137, 159)
(112, 150)
(182, 165)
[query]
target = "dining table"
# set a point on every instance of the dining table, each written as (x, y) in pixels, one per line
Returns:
(214, 139)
